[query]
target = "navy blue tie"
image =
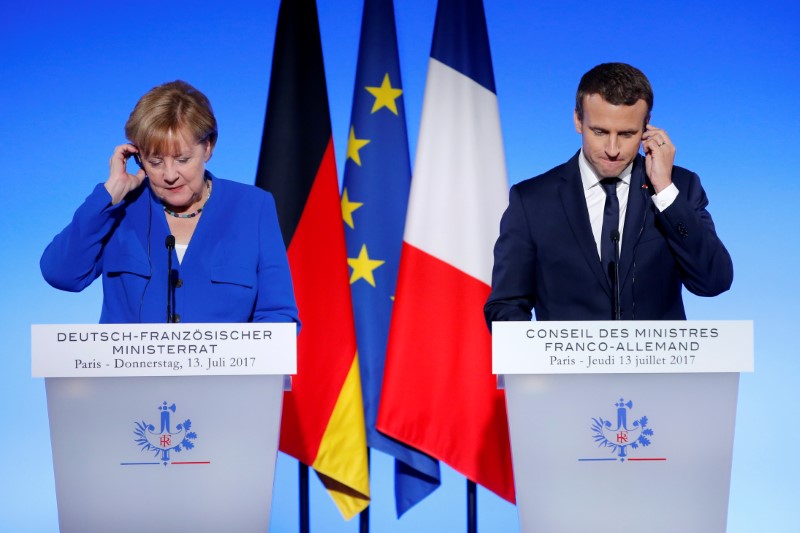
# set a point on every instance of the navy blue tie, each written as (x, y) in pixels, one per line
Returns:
(610, 224)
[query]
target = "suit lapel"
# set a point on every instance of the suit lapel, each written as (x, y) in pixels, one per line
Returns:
(573, 201)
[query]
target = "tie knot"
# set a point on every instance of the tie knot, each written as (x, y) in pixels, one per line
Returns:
(610, 185)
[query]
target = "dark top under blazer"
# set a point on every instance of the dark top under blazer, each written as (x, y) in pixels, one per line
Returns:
(546, 257)
(235, 268)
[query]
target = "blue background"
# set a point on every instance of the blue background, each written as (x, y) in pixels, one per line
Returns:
(725, 77)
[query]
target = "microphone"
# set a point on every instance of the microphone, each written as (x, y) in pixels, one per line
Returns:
(170, 243)
(615, 275)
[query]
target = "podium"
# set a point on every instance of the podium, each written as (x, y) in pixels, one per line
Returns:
(622, 426)
(159, 427)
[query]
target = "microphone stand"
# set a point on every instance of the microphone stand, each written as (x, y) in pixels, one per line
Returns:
(170, 243)
(615, 276)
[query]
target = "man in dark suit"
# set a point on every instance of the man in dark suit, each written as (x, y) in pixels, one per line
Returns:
(610, 233)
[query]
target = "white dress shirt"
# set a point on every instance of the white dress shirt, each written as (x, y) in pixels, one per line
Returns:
(596, 198)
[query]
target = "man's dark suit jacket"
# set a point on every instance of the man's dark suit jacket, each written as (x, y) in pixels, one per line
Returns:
(546, 257)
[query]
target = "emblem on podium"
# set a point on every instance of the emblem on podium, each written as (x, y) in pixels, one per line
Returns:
(165, 440)
(623, 435)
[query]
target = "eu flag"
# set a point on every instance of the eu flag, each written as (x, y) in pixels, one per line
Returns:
(376, 184)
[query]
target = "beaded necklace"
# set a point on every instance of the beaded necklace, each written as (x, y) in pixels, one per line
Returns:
(194, 213)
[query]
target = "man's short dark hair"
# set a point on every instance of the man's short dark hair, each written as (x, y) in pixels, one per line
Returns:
(618, 84)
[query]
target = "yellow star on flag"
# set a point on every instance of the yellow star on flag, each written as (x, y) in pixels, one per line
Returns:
(354, 145)
(347, 209)
(363, 267)
(385, 95)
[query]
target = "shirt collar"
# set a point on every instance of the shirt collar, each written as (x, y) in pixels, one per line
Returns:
(590, 179)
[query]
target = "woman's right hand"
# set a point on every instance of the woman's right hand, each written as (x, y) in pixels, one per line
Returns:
(120, 182)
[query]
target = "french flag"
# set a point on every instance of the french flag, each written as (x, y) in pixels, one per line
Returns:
(439, 394)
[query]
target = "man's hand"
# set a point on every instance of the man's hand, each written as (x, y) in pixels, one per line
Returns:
(659, 157)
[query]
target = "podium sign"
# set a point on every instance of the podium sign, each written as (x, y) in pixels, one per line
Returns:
(175, 442)
(102, 350)
(607, 439)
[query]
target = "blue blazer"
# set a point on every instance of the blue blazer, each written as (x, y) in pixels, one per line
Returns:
(235, 268)
(546, 258)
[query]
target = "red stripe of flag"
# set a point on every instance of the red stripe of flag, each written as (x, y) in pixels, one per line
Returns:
(453, 385)
(327, 341)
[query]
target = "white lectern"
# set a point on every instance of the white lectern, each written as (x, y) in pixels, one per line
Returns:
(622, 426)
(162, 427)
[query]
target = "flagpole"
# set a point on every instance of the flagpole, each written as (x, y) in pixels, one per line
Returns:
(363, 521)
(302, 475)
(472, 507)
(363, 517)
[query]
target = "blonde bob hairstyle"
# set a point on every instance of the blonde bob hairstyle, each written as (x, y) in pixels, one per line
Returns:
(166, 112)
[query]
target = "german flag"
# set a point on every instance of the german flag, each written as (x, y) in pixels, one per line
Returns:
(323, 415)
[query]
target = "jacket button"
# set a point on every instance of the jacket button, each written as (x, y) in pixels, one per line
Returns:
(178, 283)
(682, 231)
